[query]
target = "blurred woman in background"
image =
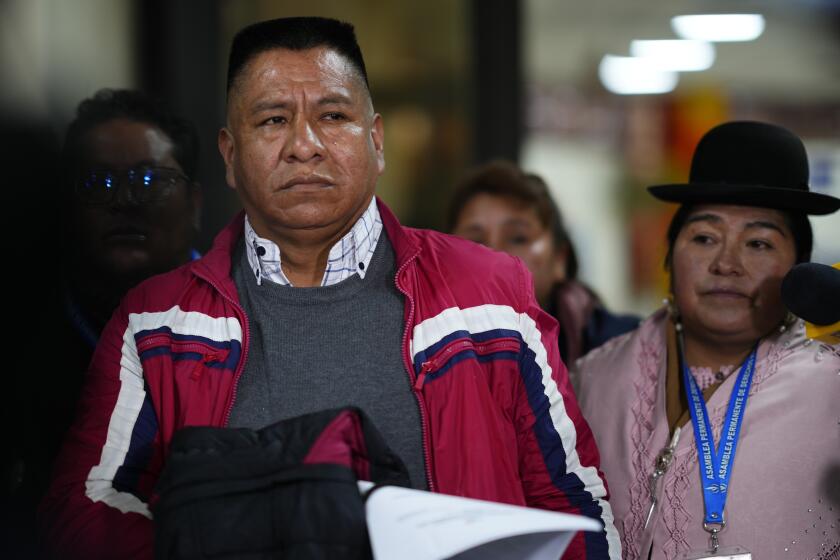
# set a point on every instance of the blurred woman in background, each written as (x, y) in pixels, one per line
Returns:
(724, 368)
(506, 209)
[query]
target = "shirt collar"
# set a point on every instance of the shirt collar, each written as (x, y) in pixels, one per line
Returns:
(350, 255)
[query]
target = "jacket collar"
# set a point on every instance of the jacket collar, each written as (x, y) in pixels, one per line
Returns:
(215, 266)
(405, 248)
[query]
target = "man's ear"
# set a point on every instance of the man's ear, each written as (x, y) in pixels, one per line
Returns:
(377, 135)
(227, 147)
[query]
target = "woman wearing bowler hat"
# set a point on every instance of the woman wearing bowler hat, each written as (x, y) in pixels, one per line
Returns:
(717, 419)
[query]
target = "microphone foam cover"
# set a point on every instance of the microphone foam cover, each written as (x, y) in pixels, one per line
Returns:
(812, 291)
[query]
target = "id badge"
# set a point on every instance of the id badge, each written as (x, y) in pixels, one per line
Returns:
(728, 553)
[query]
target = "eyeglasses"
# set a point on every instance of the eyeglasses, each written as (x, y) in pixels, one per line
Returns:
(146, 184)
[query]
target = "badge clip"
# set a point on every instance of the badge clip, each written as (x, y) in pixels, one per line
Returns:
(713, 529)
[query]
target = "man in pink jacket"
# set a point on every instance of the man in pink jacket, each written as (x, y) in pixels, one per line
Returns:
(316, 297)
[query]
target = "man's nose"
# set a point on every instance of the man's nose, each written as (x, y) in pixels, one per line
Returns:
(123, 196)
(303, 143)
(727, 261)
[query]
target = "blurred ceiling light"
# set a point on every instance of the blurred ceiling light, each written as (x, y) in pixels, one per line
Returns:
(719, 27)
(676, 55)
(628, 75)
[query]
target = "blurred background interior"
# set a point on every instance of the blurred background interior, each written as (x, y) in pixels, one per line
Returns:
(575, 91)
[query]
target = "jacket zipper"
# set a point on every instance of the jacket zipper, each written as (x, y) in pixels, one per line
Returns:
(246, 332)
(204, 361)
(153, 342)
(498, 345)
(166, 340)
(456, 346)
(421, 404)
(208, 353)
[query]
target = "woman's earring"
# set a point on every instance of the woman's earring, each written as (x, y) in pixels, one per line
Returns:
(673, 312)
(789, 320)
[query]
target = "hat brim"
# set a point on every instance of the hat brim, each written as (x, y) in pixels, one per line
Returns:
(747, 195)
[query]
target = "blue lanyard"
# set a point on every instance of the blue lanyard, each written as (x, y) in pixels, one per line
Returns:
(80, 323)
(716, 465)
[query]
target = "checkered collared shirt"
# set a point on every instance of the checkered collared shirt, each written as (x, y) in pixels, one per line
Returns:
(350, 255)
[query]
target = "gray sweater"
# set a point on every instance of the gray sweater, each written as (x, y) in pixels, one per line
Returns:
(318, 348)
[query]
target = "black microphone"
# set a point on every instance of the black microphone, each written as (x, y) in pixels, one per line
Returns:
(812, 292)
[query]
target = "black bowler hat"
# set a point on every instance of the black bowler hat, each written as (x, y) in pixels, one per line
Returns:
(749, 164)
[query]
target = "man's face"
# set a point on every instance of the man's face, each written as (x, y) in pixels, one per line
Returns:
(125, 239)
(303, 146)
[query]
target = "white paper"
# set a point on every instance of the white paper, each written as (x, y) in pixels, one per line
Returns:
(417, 525)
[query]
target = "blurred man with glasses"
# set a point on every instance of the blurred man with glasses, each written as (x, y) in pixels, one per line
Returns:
(135, 205)
(130, 207)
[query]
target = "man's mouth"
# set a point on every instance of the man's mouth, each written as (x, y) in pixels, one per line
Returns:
(307, 182)
(125, 234)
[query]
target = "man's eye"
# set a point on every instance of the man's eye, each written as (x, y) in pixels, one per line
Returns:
(275, 120)
(334, 116)
(703, 239)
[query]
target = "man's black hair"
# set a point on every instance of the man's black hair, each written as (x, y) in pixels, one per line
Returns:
(295, 34)
(109, 104)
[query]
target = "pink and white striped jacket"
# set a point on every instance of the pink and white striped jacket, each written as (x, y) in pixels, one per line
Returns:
(499, 418)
